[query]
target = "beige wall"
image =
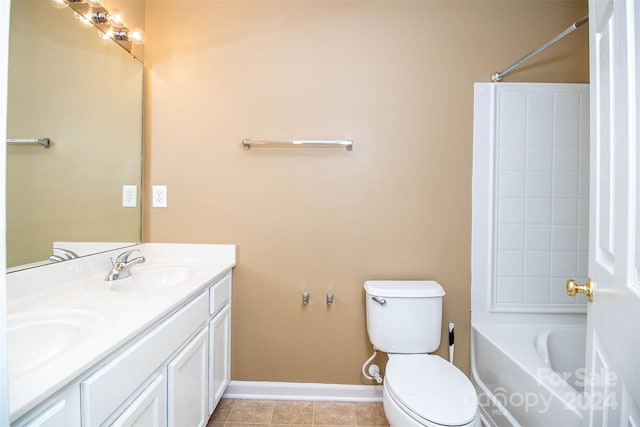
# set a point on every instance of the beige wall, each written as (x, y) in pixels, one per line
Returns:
(397, 78)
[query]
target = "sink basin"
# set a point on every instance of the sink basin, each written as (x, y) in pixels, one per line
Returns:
(36, 337)
(154, 277)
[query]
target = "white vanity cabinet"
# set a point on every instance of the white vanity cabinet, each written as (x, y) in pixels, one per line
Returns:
(120, 380)
(173, 375)
(158, 356)
(161, 380)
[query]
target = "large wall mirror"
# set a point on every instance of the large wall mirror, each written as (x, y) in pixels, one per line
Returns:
(85, 95)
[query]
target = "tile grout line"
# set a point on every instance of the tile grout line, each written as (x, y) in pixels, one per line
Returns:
(273, 411)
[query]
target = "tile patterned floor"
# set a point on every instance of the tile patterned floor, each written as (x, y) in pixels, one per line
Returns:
(295, 413)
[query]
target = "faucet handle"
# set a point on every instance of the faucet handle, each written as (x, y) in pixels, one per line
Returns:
(124, 257)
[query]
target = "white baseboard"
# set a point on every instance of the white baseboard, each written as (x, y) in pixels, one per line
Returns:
(303, 391)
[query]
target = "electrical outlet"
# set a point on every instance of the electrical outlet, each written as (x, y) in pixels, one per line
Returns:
(159, 194)
(129, 196)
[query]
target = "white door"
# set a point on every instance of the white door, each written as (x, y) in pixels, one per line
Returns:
(612, 389)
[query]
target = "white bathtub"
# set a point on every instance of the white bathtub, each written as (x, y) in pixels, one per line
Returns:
(528, 375)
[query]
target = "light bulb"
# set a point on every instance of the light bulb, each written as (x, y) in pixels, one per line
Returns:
(83, 21)
(58, 4)
(106, 35)
(136, 36)
(95, 3)
(116, 18)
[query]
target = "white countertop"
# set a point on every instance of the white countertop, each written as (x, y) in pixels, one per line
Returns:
(78, 286)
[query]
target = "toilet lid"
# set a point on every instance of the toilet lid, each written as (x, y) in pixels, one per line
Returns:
(431, 388)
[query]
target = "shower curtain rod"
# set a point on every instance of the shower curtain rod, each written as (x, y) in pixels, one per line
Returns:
(497, 76)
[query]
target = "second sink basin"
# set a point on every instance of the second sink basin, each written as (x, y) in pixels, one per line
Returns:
(35, 337)
(153, 277)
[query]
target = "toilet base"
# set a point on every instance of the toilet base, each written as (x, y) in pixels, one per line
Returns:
(397, 417)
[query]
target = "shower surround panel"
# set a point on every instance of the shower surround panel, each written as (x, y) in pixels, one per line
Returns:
(538, 192)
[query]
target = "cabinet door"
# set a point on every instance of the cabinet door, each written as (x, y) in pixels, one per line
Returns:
(187, 384)
(148, 409)
(219, 355)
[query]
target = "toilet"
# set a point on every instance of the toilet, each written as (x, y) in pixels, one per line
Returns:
(404, 319)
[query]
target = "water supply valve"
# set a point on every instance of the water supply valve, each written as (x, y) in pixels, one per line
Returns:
(374, 371)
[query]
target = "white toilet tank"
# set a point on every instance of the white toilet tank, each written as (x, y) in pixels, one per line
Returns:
(404, 316)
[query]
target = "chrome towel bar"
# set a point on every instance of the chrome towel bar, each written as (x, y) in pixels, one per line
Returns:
(45, 142)
(248, 143)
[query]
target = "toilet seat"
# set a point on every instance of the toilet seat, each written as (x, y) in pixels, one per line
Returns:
(431, 390)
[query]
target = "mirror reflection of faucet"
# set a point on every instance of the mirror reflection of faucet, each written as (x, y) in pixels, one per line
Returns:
(121, 267)
(62, 254)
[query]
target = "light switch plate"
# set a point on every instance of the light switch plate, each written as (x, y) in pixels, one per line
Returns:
(129, 196)
(159, 194)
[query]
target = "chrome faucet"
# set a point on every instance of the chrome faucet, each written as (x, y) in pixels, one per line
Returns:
(121, 266)
(56, 258)
(66, 254)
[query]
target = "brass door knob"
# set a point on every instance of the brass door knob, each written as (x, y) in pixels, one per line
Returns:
(573, 288)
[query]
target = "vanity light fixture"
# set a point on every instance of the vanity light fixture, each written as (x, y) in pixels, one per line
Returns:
(120, 35)
(111, 23)
(99, 17)
(135, 36)
(114, 17)
(116, 29)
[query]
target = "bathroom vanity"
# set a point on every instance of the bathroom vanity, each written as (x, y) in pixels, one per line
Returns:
(149, 349)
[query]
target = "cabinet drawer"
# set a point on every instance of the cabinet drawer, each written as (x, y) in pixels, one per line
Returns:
(220, 294)
(108, 388)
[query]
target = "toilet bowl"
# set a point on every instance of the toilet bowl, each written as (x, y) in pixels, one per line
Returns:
(426, 390)
(404, 319)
